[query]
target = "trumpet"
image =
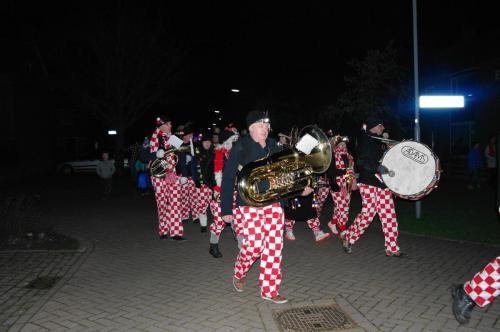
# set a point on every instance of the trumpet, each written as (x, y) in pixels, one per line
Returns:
(349, 177)
(160, 166)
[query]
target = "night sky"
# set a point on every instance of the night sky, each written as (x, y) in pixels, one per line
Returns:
(291, 53)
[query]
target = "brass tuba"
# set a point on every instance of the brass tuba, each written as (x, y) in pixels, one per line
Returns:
(287, 172)
(160, 166)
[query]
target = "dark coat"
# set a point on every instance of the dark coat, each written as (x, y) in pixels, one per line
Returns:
(244, 151)
(370, 153)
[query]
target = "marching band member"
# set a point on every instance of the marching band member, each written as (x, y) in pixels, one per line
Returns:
(184, 170)
(263, 226)
(376, 197)
(228, 137)
(342, 181)
(303, 208)
(168, 188)
(203, 176)
(481, 290)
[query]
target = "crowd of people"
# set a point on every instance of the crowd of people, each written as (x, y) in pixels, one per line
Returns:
(192, 175)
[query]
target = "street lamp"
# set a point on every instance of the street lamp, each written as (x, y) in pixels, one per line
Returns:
(441, 101)
(111, 132)
(235, 90)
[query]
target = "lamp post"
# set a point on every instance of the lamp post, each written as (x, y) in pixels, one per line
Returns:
(418, 204)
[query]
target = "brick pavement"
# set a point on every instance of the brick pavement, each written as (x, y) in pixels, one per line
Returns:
(131, 281)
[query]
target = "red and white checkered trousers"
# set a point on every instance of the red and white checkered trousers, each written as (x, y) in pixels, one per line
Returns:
(168, 202)
(341, 202)
(202, 200)
(188, 198)
(218, 224)
(484, 287)
(376, 201)
(263, 237)
(321, 196)
(312, 223)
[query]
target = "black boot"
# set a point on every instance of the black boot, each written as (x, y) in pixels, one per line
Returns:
(462, 304)
(203, 229)
(214, 250)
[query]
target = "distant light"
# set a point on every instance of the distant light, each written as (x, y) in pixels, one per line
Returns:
(441, 101)
(216, 111)
(209, 128)
(469, 95)
(214, 124)
(235, 90)
(220, 119)
(111, 132)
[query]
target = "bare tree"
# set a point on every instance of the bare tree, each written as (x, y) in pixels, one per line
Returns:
(128, 61)
(374, 87)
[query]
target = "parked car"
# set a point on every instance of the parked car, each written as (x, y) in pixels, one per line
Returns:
(82, 166)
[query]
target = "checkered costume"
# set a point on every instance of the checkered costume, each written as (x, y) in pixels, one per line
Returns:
(167, 191)
(376, 198)
(484, 287)
(341, 197)
(218, 224)
(313, 224)
(263, 238)
(262, 226)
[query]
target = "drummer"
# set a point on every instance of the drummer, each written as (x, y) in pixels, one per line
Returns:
(376, 197)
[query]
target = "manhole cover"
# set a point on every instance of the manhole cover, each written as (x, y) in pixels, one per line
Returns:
(43, 282)
(314, 318)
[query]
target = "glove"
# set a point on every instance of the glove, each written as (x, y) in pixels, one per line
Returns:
(216, 195)
(383, 170)
(160, 153)
(183, 180)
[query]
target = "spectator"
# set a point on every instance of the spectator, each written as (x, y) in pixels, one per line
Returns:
(105, 170)
(474, 165)
(490, 155)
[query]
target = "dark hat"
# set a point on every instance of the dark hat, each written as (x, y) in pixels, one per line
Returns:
(257, 116)
(206, 136)
(373, 121)
(186, 131)
(162, 119)
(225, 135)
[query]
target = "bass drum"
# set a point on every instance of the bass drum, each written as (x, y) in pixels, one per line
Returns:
(415, 170)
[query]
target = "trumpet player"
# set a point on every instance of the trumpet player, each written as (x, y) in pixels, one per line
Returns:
(342, 180)
(376, 197)
(167, 188)
(194, 194)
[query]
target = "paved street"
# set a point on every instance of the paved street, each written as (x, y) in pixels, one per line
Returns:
(126, 279)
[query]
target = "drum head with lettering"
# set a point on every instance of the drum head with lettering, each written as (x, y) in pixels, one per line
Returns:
(414, 167)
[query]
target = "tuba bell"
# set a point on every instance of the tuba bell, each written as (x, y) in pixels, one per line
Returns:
(285, 173)
(161, 166)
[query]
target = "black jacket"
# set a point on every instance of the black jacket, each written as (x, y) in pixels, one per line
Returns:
(370, 153)
(205, 160)
(245, 150)
(332, 172)
(303, 210)
(183, 168)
